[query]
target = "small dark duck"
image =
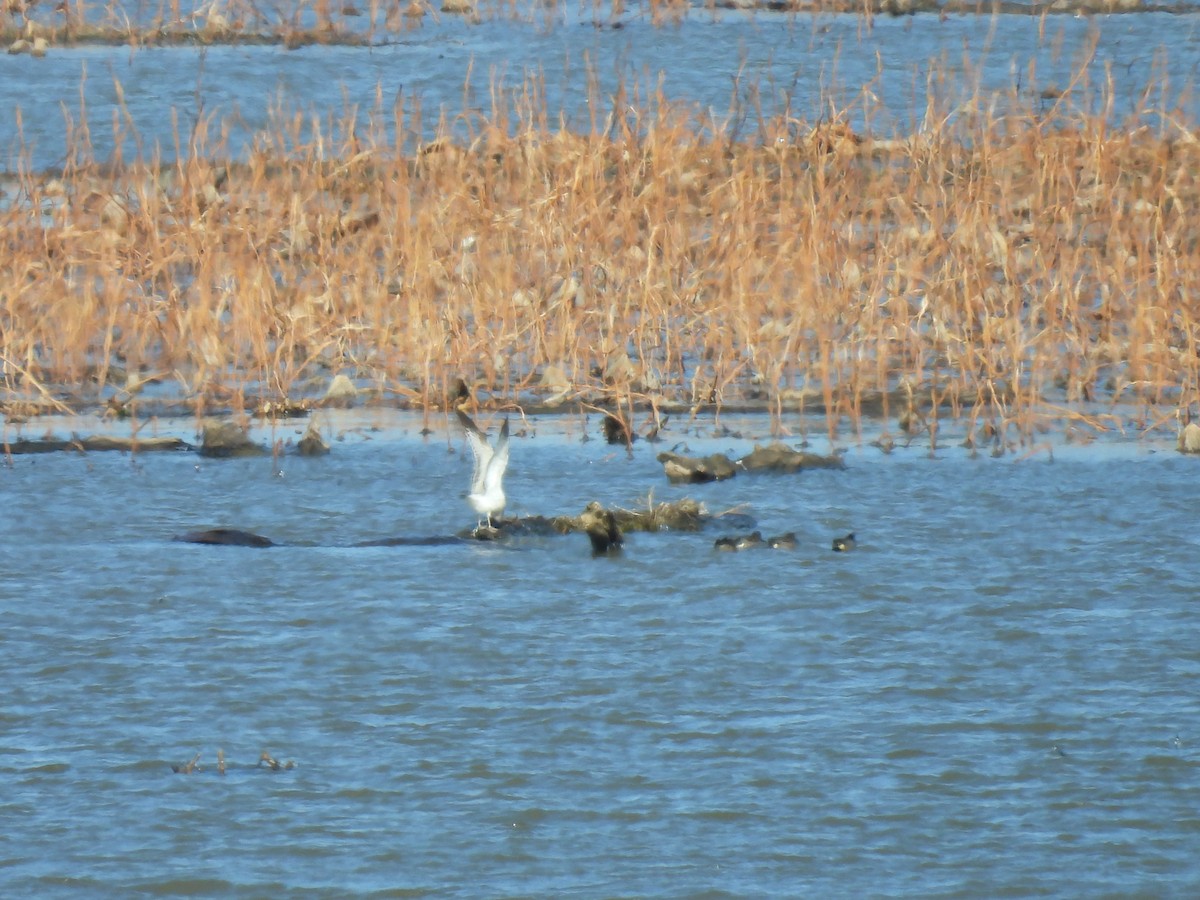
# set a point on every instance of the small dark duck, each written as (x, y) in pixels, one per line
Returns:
(743, 542)
(750, 541)
(844, 544)
(783, 541)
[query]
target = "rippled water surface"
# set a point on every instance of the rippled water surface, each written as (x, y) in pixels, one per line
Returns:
(525, 720)
(731, 66)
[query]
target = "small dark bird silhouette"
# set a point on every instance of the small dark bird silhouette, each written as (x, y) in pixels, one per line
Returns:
(844, 544)
(740, 542)
(753, 539)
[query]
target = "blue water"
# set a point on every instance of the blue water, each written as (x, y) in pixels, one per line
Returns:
(892, 76)
(524, 720)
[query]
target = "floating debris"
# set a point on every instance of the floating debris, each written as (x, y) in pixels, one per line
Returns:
(684, 514)
(188, 768)
(273, 764)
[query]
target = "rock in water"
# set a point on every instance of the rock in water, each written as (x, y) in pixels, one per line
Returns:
(312, 444)
(1189, 438)
(223, 439)
(341, 393)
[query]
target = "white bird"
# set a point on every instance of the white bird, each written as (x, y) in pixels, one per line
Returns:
(487, 492)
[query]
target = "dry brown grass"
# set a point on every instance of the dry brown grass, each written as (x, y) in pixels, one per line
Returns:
(1008, 269)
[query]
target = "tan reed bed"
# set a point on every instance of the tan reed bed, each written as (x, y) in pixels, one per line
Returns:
(1010, 271)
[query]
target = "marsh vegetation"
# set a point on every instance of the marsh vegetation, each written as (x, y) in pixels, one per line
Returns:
(1014, 263)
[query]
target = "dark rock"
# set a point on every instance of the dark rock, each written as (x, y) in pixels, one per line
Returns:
(312, 444)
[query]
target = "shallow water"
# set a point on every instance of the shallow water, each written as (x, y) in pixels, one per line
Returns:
(727, 65)
(525, 720)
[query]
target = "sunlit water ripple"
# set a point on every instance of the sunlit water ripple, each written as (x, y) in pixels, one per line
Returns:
(526, 720)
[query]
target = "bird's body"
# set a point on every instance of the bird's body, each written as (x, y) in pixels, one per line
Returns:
(749, 541)
(783, 541)
(742, 542)
(844, 544)
(487, 492)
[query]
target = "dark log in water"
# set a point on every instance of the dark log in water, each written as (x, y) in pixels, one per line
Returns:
(226, 537)
(774, 458)
(433, 541)
(780, 458)
(222, 439)
(605, 528)
(696, 470)
(94, 445)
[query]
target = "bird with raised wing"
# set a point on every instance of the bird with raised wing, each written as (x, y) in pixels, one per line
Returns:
(487, 491)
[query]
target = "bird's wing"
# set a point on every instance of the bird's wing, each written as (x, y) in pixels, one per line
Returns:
(479, 447)
(499, 461)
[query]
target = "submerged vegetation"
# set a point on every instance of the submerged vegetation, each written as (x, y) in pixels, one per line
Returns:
(1014, 263)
